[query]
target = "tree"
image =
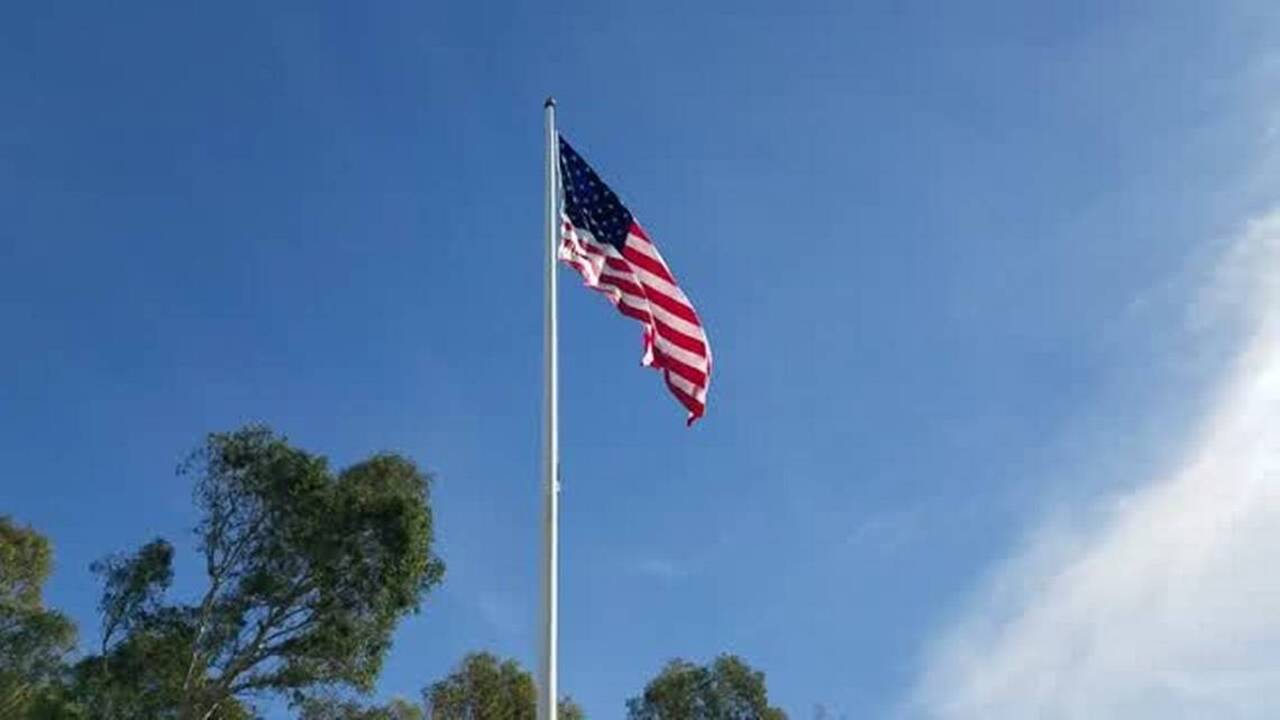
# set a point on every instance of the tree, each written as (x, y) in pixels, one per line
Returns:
(133, 588)
(727, 689)
(137, 638)
(332, 708)
(139, 678)
(33, 639)
(483, 687)
(567, 709)
(308, 572)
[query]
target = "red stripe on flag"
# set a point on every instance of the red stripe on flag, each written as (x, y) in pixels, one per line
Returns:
(624, 285)
(639, 232)
(679, 339)
(689, 402)
(633, 312)
(668, 362)
(619, 264)
(644, 261)
(671, 305)
(631, 295)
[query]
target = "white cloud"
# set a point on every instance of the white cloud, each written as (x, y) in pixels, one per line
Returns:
(1165, 602)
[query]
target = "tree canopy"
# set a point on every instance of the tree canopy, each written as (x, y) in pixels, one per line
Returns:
(484, 687)
(33, 639)
(330, 708)
(726, 689)
(307, 572)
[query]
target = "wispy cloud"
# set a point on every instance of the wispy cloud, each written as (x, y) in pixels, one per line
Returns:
(661, 568)
(665, 566)
(1164, 602)
(887, 531)
(499, 612)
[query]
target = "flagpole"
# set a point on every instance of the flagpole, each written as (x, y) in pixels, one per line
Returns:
(547, 660)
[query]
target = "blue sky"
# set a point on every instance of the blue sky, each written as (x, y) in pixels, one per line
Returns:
(953, 260)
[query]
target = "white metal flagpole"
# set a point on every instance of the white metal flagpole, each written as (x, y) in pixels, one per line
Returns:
(547, 660)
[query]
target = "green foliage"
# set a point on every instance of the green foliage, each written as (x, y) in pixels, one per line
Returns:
(26, 559)
(337, 709)
(33, 640)
(401, 709)
(570, 710)
(727, 689)
(140, 677)
(133, 587)
(483, 687)
(308, 572)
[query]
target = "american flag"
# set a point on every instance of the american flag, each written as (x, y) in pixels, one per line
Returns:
(602, 241)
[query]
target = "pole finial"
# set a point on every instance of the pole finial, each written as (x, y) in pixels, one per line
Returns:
(550, 102)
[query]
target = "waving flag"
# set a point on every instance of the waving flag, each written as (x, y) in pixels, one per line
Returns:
(601, 239)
